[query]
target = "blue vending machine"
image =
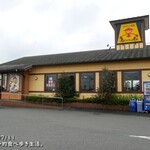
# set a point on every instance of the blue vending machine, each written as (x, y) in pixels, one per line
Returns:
(146, 89)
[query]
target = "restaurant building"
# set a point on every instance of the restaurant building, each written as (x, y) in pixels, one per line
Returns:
(129, 61)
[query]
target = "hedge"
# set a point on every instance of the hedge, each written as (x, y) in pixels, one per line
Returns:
(115, 99)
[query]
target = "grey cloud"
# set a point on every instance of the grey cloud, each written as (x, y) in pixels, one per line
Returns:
(99, 41)
(8, 4)
(45, 5)
(77, 18)
(12, 47)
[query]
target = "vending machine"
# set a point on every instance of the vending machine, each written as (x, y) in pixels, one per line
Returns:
(146, 90)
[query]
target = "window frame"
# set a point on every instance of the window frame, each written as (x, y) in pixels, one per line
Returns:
(2, 82)
(80, 84)
(123, 81)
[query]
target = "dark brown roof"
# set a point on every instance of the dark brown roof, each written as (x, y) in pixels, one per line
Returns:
(107, 55)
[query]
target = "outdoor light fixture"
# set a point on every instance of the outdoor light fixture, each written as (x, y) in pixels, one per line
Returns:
(36, 78)
(148, 74)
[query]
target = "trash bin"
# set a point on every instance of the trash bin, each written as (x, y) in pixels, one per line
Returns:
(139, 105)
(133, 105)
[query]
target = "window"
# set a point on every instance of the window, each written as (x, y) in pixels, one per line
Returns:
(50, 84)
(87, 82)
(131, 81)
(4, 82)
(14, 83)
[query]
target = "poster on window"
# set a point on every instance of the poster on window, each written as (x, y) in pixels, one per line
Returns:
(14, 83)
(51, 85)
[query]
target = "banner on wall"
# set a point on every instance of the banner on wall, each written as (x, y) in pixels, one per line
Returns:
(14, 83)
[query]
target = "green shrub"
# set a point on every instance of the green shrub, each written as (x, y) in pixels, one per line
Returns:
(92, 99)
(114, 100)
(69, 100)
(39, 98)
(31, 98)
(65, 87)
(107, 84)
(122, 99)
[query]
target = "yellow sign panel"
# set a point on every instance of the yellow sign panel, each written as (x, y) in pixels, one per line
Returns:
(128, 33)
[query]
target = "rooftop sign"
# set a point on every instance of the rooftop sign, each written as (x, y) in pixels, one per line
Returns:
(129, 33)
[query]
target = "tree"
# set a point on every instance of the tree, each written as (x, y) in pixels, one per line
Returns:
(65, 87)
(107, 84)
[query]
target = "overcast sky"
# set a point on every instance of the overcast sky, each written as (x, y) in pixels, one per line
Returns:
(37, 27)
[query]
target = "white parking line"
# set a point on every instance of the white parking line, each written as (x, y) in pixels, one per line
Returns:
(142, 137)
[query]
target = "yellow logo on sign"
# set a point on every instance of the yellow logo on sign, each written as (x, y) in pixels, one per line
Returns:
(128, 33)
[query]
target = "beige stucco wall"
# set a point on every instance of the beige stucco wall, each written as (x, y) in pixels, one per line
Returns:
(37, 86)
(36, 83)
(86, 95)
(97, 80)
(145, 64)
(77, 82)
(145, 76)
(119, 81)
(49, 94)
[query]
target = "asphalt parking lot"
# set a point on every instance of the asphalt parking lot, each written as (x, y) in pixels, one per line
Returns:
(71, 129)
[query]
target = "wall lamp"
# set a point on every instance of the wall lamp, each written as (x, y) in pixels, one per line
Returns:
(148, 74)
(36, 78)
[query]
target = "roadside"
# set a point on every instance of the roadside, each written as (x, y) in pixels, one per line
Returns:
(20, 104)
(24, 104)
